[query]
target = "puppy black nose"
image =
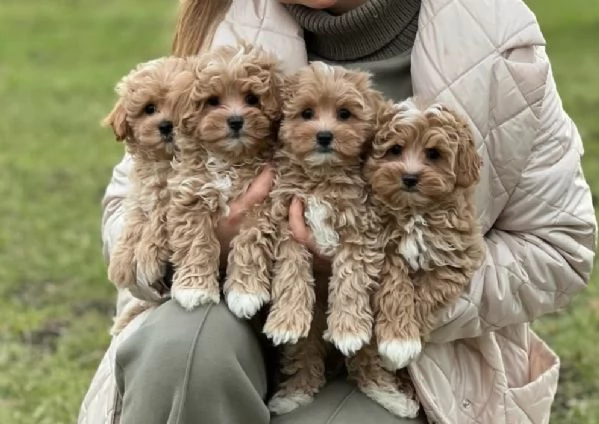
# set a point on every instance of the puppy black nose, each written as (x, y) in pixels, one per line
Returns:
(235, 122)
(409, 180)
(324, 138)
(165, 127)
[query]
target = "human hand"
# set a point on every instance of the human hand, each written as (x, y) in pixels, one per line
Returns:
(302, 234)
(228, 227)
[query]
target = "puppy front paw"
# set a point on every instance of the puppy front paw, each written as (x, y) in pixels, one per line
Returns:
(397, 354)
(192, 298)
(245, 305)
(192, 288)
(284, 403)
(348, 332)
(394, 401)
(347, 342)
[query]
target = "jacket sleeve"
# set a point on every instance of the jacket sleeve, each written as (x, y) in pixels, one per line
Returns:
(540, 250)
(113, 218)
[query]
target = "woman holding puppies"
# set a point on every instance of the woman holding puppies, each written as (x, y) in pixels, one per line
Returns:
(482, 363)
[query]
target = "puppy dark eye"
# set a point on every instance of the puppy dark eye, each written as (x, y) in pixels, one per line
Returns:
(307, 114)
(252, 100)
(213, 101)
(432, 154)
(395, 150)
(343, 114)
(150, 109)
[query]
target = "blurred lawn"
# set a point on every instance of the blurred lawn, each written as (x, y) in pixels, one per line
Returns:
(59, 60)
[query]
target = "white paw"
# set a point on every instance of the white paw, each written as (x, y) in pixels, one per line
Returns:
(280, 405)
(396, 354)
(245, 305)
(395, 402)
(350, 343)
(191, 298)
(282, 337)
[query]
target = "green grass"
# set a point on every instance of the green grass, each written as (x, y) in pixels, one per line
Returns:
(572, 30)
(59, 60)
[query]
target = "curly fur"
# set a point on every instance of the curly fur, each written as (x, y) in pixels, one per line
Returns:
(145, 105)
(429, 233)
(215, 165)
(311, 315)
(330, 183)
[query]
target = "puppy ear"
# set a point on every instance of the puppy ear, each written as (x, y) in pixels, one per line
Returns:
(117, 119)
(468, 161)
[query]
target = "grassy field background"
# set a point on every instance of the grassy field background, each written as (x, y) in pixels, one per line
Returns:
(59, 60)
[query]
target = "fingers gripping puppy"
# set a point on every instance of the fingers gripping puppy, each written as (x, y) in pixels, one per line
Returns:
(227, 133)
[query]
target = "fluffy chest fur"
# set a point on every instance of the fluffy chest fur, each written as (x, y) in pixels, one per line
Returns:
(335, 200)
(222, 184)
(319, 215)
(423, 247)
(215, 181)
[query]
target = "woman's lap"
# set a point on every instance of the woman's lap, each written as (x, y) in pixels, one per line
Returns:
(181, 365)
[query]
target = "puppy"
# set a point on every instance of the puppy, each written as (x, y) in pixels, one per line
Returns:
(328, 119)
(227, 137)
(422, 170)
(143, 118)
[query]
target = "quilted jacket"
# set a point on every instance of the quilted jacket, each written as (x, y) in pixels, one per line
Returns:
(487, 58)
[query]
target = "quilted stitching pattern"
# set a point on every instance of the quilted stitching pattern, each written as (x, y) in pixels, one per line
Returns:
(493, 56)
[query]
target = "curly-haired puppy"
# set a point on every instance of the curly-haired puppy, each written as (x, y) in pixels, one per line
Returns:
(143, 118)
(227, 136)
(328, 119)
(422, 171)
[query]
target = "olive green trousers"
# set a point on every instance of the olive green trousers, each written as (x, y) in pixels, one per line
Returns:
(208, 367)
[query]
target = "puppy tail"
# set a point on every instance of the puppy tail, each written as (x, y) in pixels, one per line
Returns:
(136, 308)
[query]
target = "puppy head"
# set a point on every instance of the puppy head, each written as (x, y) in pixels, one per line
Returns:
(233, 105)
(144, 113)
(328, 115)
(420, 155)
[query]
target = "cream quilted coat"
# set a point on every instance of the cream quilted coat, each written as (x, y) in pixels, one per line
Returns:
(487, 58)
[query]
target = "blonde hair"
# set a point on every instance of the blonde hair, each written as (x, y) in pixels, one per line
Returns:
(196, 25)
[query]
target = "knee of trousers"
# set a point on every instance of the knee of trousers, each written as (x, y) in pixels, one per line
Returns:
(205, 348)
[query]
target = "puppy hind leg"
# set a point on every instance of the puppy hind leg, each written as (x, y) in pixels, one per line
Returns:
(304, 365)
(386, 388)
